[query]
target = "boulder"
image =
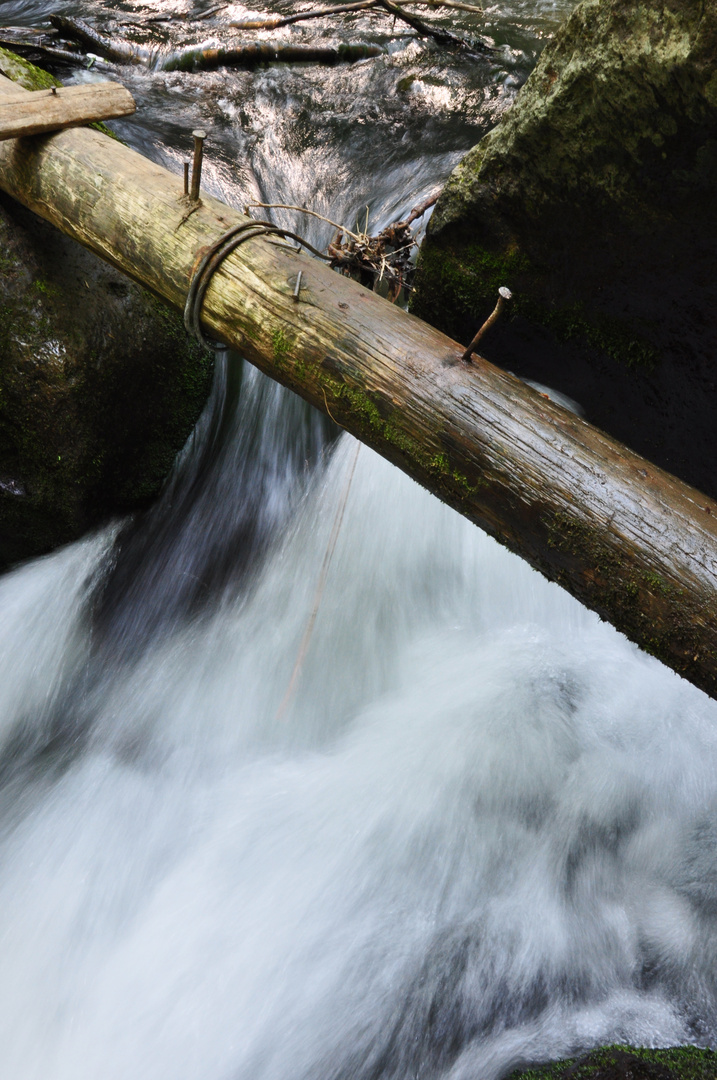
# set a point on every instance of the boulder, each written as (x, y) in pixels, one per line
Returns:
(595, 201)
(99, 387)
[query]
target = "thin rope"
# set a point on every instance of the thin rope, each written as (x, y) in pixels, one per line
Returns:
(215, 256)
(306, 640)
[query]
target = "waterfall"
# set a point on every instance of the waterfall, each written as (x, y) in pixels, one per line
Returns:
(482, 832)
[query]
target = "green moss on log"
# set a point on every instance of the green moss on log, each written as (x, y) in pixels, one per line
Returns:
(630, 598)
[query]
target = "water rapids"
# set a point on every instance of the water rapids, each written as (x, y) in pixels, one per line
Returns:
(483, 829)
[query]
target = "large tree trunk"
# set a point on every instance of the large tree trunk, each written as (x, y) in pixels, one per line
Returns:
(628, 540)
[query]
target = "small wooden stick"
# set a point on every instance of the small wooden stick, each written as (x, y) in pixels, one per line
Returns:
(504, 295)
(288, 20)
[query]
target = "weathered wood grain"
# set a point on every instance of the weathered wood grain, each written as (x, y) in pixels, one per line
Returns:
(627, 539)
(34, 112)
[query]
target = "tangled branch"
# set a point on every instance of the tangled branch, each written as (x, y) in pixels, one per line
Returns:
(203, 57)
(371, 260)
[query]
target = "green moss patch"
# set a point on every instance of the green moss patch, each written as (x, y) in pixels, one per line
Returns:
(630, 1063)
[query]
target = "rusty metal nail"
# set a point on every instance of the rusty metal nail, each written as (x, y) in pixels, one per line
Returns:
(186, 177)
(504, 295)
(297, 287)
(199, 137)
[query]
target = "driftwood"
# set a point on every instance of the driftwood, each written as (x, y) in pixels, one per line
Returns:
(288, 20)
(121, 52)
(627, 539)
(443, 37)
(264, 52)
(26, 113)
(371, 260)
(362, 5)
(38, 51)
(207, 58)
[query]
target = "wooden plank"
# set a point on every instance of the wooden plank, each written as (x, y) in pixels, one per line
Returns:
(40, 111)
(628, 540)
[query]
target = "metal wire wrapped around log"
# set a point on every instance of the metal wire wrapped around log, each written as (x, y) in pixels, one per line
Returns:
(215, 256)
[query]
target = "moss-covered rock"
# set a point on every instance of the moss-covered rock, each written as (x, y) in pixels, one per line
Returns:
(99, 388)
(630, 1063)
(595, 200)
(99, 384)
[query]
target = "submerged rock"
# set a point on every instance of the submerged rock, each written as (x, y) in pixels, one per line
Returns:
(595, 201)
(99, 384)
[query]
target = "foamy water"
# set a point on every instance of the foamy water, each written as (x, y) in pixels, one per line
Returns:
(481, 833)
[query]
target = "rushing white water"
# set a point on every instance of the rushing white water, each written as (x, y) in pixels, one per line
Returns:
(483, 831)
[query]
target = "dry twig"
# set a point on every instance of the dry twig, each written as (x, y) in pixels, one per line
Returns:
(369, 259)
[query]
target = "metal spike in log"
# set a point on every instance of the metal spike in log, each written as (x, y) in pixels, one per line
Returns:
(627, 539)
(504, 295)
(39, 111)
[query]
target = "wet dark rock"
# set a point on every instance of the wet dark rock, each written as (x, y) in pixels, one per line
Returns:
(99, 385)
(629, 1063)
(99, 388)
(595, 201)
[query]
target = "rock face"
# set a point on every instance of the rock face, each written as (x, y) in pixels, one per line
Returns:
(99, 388)
(595, 201)
(99, 385)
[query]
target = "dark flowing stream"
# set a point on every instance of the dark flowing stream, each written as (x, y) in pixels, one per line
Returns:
(482, 829)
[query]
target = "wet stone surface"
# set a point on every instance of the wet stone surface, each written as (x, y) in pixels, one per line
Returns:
(99, 388)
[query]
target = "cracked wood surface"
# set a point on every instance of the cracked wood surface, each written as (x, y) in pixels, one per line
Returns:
(628, 540)
(35, 112)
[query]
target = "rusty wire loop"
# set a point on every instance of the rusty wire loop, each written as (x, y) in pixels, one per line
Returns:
(215, 256)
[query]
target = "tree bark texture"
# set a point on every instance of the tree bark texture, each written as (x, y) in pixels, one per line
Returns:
(628, 540)
(39, 111)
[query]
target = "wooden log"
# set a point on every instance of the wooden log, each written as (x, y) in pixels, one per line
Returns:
(252, 55)
(208, 58)
(123, 52)
(35, 112)
(627, 539)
